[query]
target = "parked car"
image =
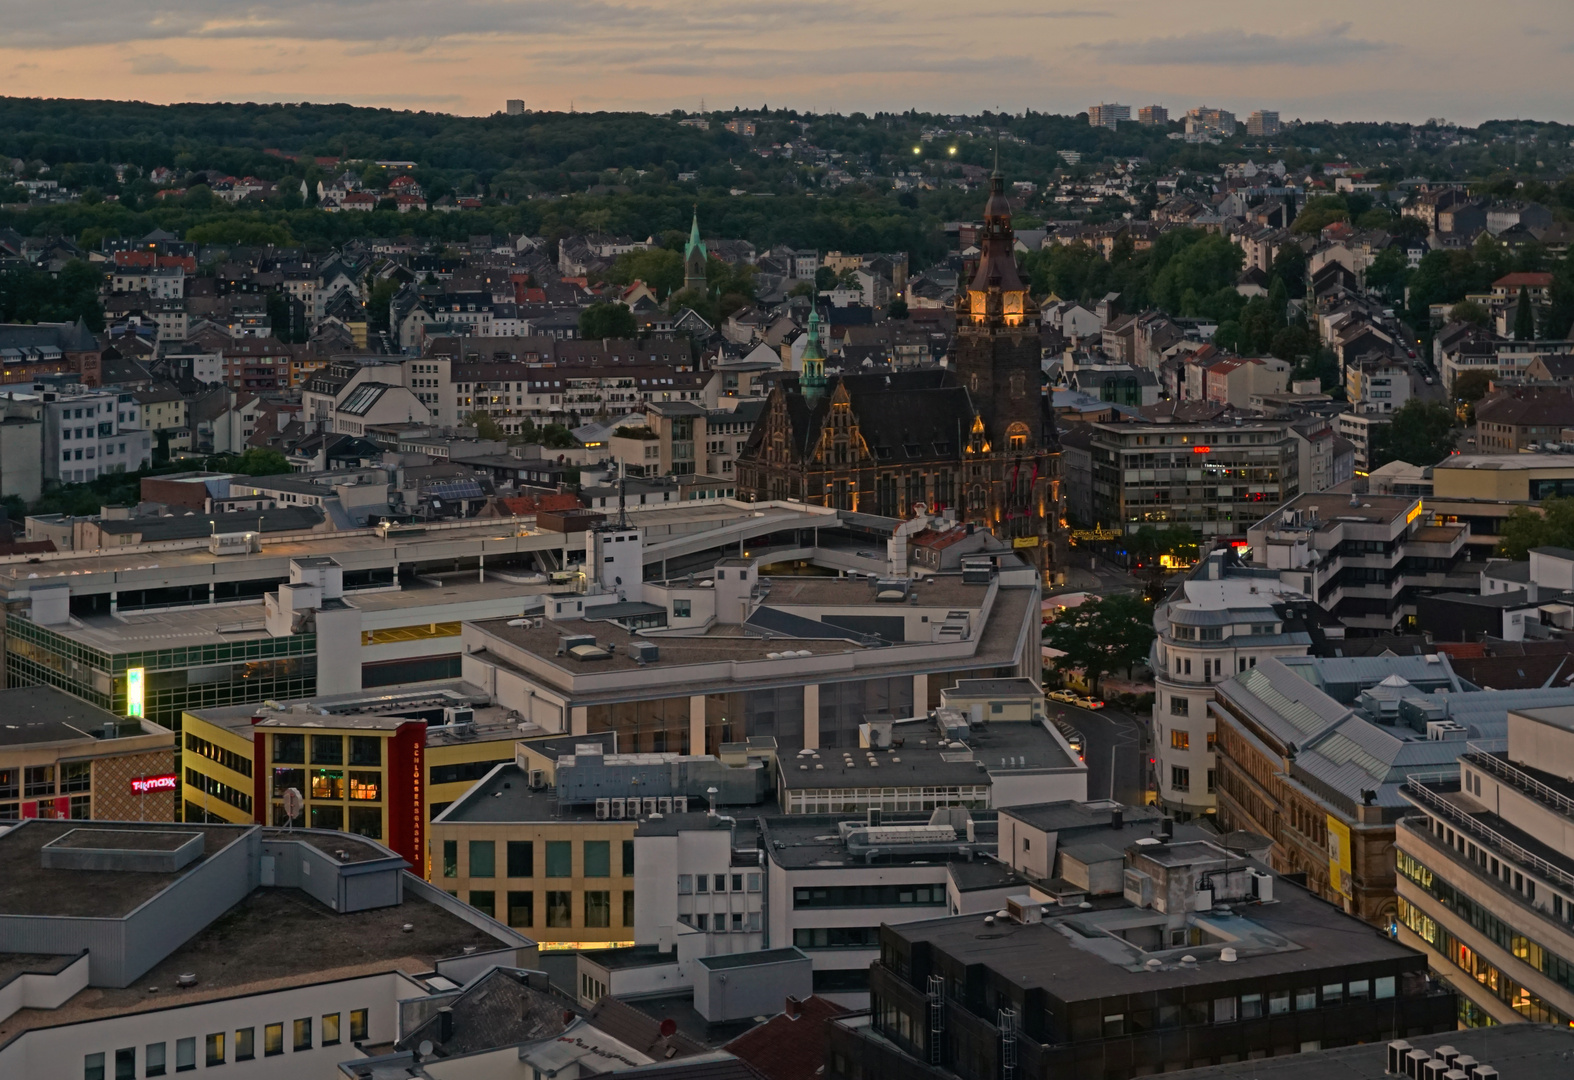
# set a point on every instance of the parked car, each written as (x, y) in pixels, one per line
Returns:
(1065, 696)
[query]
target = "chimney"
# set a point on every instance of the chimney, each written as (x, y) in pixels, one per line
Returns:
(1117, 818)
(794, 1006)
(445, 1024)
(1167, 828)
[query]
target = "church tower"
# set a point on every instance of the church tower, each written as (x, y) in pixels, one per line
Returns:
(1011, 469)
(812, 382)
(695, 257)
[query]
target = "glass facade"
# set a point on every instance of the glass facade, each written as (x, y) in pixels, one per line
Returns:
(177, 679)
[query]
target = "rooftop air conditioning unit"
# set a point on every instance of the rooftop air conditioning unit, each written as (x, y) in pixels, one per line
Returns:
(664, 805)
(603, 809)
(650, 806)
(618, 806)
(538, 779)
(680, 804)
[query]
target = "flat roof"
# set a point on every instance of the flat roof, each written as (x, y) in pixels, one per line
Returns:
(1290, 939)
(995, 687)
(381, 709)
(43, 714)
(811, 841)
(751, 959)
(504, 796)
(1505, 462)
(721, 644)
(272, 939)
(942, 590)
(27, 887)
(1519, 1051)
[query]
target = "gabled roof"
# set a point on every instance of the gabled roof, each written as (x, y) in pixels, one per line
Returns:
(789, 1047)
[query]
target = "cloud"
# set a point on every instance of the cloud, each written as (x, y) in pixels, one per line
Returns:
(42, 24)
(1330, 44)
(160, 64)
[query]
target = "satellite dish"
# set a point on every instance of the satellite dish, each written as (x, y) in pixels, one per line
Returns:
(425, 1048)
(294, 803)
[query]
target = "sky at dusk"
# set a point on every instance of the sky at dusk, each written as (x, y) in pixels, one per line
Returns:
(1339, 59)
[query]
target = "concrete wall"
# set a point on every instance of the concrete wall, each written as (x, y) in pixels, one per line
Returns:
(39, 990)
(751, 990)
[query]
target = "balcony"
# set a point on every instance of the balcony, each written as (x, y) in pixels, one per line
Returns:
(1490, 756)
(1430, 793)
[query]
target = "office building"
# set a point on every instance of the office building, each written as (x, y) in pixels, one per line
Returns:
(1486, 877)
(1364, 559)
(1153, 972)
(63, 758)
(1221, 621)
(379, 764)
(1215, 477)
(1312, 753)
(1108, 116)
(803, 660)
(831, 882)
(137, 950)
(514, 107)
(1153, 115)
(1263, 124)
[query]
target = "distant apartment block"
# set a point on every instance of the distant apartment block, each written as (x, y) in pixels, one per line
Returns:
(1206, 121)
(1108, 115)
(1262, 123)
(1153, 114)
(514, 106)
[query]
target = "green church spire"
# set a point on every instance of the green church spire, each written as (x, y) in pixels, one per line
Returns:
(812, 381)
(695, 243)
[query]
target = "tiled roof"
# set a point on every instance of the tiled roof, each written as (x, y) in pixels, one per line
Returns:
(789, 1047)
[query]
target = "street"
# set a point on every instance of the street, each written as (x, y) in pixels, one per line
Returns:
(1113, 751)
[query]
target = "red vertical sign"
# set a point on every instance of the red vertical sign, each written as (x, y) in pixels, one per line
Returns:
(406, 798)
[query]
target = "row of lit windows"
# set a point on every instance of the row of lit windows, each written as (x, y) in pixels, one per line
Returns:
(39, 780)
(520, 912)
(155, 1056)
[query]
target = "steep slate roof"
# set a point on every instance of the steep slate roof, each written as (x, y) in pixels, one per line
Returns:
(896, 410)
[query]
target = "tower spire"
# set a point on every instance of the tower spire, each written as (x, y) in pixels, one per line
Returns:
(812, 381)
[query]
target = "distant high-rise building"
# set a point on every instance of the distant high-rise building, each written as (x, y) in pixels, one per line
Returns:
(1206, 121)
(1108, 115)
(1153, 114)
(1262, 122)
(514, 107)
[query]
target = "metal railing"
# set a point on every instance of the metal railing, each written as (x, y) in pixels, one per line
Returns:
(1415, 788)
(1482, 755)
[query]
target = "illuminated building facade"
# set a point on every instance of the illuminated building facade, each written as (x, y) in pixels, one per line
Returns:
(978, 437)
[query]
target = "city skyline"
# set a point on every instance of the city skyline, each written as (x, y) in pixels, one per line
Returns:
(1350, 62)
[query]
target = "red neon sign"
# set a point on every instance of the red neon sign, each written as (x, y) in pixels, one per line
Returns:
(1201, 449)
(141, 785)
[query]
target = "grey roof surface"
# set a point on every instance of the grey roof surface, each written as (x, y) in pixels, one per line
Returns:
(504, 795)
(811, 841)
(751, 959)
(27, 887)
(1295, 937)
(1520, 1051)
(499, 1009)
(38, 714)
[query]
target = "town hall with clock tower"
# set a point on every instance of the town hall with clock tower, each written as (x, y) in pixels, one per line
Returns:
(977, 437)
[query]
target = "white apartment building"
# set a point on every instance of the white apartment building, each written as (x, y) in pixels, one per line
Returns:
(88, 433)
(1219, 622)
(687, 878)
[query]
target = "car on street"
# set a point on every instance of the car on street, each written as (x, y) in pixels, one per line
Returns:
(1073, 738)
(1065, 697)
(1090, 703)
